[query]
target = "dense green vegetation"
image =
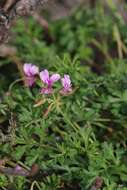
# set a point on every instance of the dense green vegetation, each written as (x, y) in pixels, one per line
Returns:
(78, 141)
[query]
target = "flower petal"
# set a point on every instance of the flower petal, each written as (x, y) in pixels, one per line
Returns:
(26, 69)
(44, 76)
(67, 79)
(66, 82)
(54, 78)
(34, 70)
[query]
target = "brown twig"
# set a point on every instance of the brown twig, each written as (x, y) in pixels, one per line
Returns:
(8, 4)
(13, 9)
(45, 25)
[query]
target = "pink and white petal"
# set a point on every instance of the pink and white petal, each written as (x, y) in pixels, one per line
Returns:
(54, 78)
(44, 76)
(67, 79)
(66, 82)
(26, 69)
(34, 70)
(63, 81)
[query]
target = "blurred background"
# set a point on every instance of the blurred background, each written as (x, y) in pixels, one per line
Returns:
(93, 30)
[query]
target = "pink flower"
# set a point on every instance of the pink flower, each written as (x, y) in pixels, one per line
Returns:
(48, 80)
(30, 72)
(66, 83)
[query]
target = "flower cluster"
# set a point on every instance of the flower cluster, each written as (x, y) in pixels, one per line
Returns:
(32, 71)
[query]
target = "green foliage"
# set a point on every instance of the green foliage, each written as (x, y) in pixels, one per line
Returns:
(72, 138)
(75, 138)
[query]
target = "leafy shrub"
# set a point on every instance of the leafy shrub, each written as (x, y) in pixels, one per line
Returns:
(74, 139)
